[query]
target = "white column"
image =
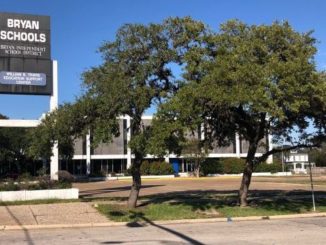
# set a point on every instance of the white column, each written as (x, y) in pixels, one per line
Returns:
(88, 153)
(54, 162)
(270, 147)
(202, 132)
(167, 159)
(237, 145)
(128, 140)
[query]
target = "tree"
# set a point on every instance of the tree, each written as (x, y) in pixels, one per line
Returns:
(14, 143)
(318, 156)
(135, 74)
(194, 151)
(64, 125)
(251, 80)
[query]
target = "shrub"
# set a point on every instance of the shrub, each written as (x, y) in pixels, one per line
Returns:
(24, 177)
(161, 168)
(145, 168)
(63, 185)
(65, 176)
(98, 174)
(235, 166)
(42, 171)
(223, 166)
(10, 185)
(127, 172)
(211, 166)
(156, 168)
(232, 165)
(270, 168)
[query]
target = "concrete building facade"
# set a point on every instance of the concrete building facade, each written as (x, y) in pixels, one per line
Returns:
(116, 157)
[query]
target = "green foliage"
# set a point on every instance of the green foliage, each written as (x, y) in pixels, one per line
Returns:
(156, 168)
(208, 205)
(211, 166)
(41, 184)
(14, 143)
(246, 79)
(24, 177)
(9, 186)
(145, 168)
(161, 168)
(232, 165)
(250, 80)
(270, 168)
(223, 166)
(135, 73)
(65, 176)
(64, 125)
(318, 156)
(235, 166)
(159, 211)
(98, 174)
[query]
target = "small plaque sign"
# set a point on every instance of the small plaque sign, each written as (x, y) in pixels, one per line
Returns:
(22, 78)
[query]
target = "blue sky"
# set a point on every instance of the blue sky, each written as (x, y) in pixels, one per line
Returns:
(79, 28)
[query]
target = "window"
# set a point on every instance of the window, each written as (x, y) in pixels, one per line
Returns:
(298, 165)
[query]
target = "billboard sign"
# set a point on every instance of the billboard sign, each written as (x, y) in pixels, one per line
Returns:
(25, 54)
(25, 36)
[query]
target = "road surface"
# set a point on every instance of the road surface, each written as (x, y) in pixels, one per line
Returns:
(290, 231)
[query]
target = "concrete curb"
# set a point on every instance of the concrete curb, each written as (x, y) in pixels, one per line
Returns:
(165, 222)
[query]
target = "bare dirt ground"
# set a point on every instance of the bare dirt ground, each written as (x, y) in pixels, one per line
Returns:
(212, 184)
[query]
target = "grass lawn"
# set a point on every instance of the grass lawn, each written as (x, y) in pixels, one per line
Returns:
(35, 202)
(206, 207)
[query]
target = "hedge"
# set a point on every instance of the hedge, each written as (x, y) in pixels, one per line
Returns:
(232, 165)
(223, 166)
(24, 182)
(271, 168)
(156, 168)
(235, 166)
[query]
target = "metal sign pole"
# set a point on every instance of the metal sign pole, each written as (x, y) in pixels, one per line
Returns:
(312, 189)
(54, 162)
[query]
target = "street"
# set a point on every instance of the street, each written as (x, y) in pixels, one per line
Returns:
(291, 231)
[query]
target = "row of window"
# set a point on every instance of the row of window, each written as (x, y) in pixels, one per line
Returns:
(97, 167)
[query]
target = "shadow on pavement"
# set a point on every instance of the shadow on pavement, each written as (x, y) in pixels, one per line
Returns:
(29, 239)
(92, 192)
(135, 224)
(270, 200)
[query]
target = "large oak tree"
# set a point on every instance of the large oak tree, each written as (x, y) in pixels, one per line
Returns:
(251, 80)
(134, 75)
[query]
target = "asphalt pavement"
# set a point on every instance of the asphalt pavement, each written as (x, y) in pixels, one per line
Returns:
(286, 231)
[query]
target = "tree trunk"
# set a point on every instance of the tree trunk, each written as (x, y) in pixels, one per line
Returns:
(245, 183)
(197, 168)
(247, 173)
(136, 185)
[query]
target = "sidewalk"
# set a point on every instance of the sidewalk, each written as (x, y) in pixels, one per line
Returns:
(73, 215)
(50, 214)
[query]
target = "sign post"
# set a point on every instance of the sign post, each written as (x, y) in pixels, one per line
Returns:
(54, 162)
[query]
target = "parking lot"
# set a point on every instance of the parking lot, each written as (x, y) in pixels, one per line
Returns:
(120, 188)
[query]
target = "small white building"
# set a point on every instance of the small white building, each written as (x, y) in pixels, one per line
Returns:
(297, 161)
